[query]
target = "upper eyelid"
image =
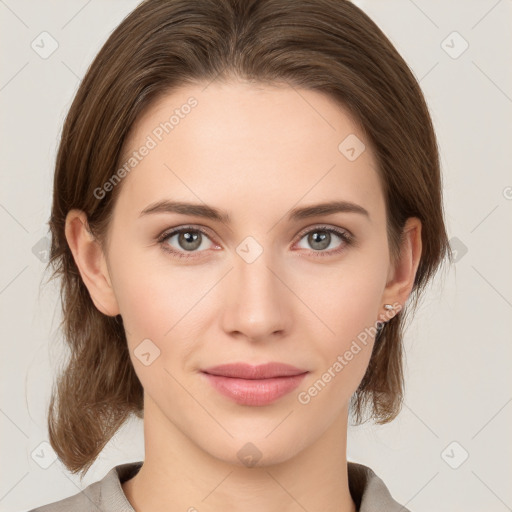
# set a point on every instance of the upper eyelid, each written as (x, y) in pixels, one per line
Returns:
(174, 231)
(327, 227)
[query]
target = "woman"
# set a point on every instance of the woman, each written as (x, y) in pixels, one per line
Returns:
(247, 202)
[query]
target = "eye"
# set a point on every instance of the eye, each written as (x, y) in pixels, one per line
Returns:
(321, 238)
(192, 240)
(186, 240)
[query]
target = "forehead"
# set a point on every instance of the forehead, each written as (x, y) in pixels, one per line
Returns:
(226, 142)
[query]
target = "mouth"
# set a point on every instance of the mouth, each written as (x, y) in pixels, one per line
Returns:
(254, 385)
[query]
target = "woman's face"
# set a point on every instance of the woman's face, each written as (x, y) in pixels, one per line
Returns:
(270, 281)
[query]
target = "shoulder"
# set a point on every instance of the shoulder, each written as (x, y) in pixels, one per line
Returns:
(106, 495)
(370, 492)
(86, 500)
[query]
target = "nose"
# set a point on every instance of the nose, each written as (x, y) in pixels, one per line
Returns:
(257, 302)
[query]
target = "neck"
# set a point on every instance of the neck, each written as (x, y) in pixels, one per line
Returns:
(179, 475)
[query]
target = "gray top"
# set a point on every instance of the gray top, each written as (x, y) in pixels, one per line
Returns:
(369, 492)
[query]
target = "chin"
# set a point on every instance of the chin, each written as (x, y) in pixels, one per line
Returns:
(258, 450)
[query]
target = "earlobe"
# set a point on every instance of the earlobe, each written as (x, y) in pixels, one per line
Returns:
(90, 260)
(403, 273)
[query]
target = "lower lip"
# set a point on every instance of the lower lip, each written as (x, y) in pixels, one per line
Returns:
(254, 391)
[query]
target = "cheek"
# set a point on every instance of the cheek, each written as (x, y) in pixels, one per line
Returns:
(151, 298)
(146, 310)
(158, 329)
(348, 305)
(160, 304)
(348, 299)
(343, 356)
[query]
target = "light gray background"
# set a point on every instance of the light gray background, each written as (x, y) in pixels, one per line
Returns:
(458, 346)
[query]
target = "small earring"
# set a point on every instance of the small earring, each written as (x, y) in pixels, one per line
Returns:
(388, 306)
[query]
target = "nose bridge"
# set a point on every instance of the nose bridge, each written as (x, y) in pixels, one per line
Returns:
(255, 303)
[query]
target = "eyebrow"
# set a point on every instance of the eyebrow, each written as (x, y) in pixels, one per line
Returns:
(209, 212)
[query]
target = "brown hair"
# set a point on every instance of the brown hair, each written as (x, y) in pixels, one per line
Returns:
(330, 46)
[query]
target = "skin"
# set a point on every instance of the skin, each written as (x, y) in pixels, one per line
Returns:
(256, 151)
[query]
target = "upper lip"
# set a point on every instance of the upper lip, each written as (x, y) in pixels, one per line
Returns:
(248, 371)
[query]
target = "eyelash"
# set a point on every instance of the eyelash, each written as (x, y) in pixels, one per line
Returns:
(346, 237)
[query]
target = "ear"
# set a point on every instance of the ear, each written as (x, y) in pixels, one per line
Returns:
(402, 273)
(91, 262)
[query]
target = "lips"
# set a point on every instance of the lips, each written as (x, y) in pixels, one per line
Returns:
(249, 372)
(254, 385)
